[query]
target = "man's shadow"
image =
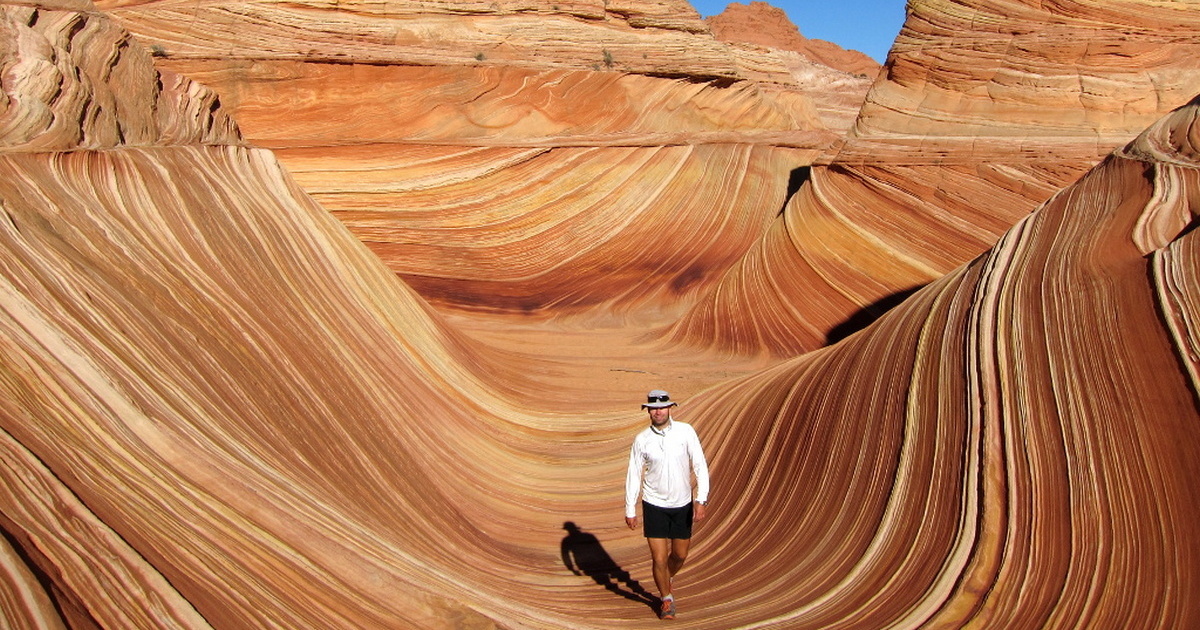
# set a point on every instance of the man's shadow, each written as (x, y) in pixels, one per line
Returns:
(583, 554)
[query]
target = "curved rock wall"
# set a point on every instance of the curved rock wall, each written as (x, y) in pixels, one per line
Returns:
(1034, 73)
(982, 111)
(1030, 412)
(651, 129)
(220, 408)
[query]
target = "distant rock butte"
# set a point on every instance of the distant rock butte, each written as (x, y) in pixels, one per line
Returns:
(835, 80)
(761, 24)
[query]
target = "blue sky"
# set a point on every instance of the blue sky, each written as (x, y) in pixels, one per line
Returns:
(869, 26)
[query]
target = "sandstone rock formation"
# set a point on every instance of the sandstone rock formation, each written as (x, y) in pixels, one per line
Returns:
(1023, 75)
(1021, 423)
(219, 408)
(983, 110)
(834, 79)
(102, 93)
(185, 408)
(644, 118)
(761, 24)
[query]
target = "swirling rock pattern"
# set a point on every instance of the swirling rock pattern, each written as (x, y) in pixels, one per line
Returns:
(659, 132)
(983, 110)
(219, 408)
(1091, 71)
(73, 81)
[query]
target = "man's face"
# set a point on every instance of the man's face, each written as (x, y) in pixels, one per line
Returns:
(659, 417)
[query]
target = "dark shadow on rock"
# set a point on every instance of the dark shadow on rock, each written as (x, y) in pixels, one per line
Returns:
(868, 314)
(583, 554)
(796, 180)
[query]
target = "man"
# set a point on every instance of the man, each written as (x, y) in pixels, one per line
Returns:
(662, 462)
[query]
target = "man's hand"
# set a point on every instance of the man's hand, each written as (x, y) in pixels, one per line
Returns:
(631, 521)
(699, 511)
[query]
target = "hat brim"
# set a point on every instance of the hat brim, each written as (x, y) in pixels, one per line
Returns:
(658, 405)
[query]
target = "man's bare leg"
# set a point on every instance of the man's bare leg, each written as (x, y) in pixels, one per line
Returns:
(668, 556)
(660, 551)
(679, 553)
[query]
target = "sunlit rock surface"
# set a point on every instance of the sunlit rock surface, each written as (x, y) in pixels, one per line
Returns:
(1023, 74)
(983, 110)
(219, 408)
(482, 134)
(1037, 434)
(836, 80)
(761, 24)
(100, 93)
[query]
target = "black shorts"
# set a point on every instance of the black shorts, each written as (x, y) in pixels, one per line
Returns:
(661, 522)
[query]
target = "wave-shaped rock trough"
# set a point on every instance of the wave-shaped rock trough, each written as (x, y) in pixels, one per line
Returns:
(243, 389)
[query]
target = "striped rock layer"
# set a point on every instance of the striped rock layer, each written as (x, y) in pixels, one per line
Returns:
(983, 110)
(219, 407)
(601, 160)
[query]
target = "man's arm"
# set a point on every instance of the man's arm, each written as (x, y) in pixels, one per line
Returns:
(700, 470)
(633, 484)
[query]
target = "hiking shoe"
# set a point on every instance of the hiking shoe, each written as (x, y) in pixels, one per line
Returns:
(668, 609)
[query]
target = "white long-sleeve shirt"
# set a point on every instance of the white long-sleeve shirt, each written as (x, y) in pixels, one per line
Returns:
(661, 465)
